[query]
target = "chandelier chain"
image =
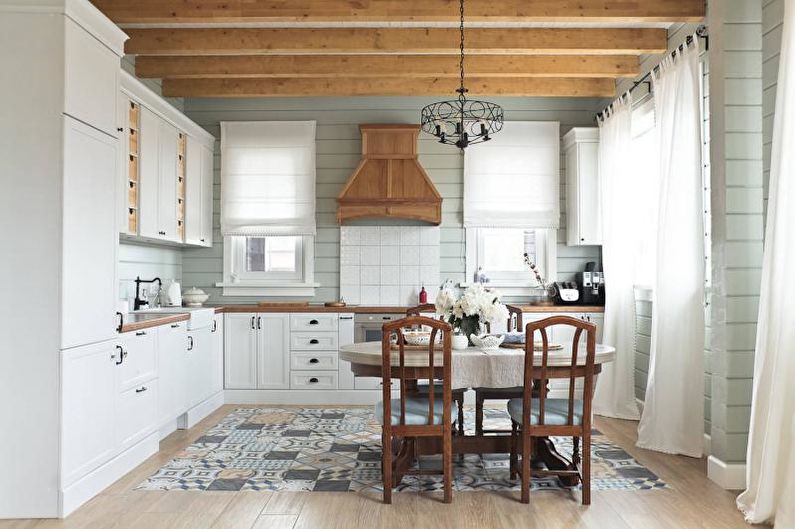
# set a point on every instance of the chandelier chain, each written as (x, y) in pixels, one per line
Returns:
(461, 61)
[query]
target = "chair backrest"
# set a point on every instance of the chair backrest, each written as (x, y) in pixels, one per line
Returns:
(421, 309)
(431, 364)
(514, 319)
(538, 371)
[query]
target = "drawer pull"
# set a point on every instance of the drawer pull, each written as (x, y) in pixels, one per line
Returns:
(141, 389)
(190, 342)
(174, 325)
(313, 380)
(215, 325)
(314, 341)
(313, 322)
(313, 360)
(141, 333)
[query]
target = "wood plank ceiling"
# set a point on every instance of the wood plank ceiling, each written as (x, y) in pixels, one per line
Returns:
(262, 48)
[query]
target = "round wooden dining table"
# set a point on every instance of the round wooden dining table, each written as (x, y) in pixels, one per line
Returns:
(474, 368)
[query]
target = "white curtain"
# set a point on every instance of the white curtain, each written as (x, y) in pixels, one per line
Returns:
(770, 469)
(523, 158)
(673, 412)
(267, 178)
(615, 390)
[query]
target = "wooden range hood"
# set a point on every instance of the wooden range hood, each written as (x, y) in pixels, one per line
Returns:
(389, 181)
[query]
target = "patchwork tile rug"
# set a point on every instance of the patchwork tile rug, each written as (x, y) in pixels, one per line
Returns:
(339, 449)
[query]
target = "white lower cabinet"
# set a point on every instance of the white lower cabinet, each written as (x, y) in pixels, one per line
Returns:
(88, 407)
(217, 353)
(172, 351)
(137, 412)
(256, 351)
(199, 366)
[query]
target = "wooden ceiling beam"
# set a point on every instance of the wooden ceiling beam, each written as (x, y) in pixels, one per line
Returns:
(395, 41)
(336, 66)
(237, 11)
(387, 86)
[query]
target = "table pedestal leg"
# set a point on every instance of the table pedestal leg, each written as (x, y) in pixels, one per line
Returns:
(544, 451)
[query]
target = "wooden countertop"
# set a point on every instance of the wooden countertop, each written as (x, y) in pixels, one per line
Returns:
(137, 322)
(362, 309)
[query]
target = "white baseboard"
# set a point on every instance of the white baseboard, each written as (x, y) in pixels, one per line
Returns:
(168, 428)
(303, 397)
(93, 483)
(729, 476)
(191, 417)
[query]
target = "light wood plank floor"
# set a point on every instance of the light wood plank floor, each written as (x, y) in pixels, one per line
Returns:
(692, 502)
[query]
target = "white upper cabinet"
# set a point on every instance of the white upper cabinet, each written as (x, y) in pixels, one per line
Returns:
(167, 171)
(199, 194)
(583, 224)
(90, 240)
(91, 80)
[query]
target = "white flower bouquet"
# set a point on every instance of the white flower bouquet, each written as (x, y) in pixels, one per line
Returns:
(475, 306)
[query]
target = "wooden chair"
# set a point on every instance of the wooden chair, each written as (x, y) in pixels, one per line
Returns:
(406, 418)
(484, 394)
(422, 389)
(554, 417)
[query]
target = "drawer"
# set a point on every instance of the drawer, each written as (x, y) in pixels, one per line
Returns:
(313, 380)
(139, 362)
(313, 341)
(371, 383)
(137, 413)
(313, 322)
(313, 361)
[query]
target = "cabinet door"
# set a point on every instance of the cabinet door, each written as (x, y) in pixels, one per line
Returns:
(207, 197)
(217, 339)
(273, 351)
(346, 337)
(172, 344)
(91, 79)
(572, 201)
(122, 187)
(588, 193)
(167, 197)
(149, 185)
(87, 409)
(240, 351)
(136, 417)
(193, 192)
(90, 235)
(200, 366)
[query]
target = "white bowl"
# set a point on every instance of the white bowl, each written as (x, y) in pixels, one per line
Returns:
(487, 342)
(194, 297)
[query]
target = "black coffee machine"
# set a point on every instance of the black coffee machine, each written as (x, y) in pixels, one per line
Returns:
(591, 284)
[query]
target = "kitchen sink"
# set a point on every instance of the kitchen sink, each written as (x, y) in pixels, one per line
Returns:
(199, 316)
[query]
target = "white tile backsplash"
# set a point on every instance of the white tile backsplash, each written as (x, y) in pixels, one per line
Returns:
(387, 265)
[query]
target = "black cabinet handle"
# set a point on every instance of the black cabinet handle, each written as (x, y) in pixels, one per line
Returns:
(259, 322)
(121, 321)
(313, 322)
(174, 325)
(120, 129)
(141, 389)
(122, 354)
(313, 360)
(314, 341)
(215, 325)
(313, 380)
(252, 322)
(202, 240)
(141, 333)
(190, 341)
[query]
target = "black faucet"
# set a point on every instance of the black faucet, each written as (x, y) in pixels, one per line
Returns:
(144, 302)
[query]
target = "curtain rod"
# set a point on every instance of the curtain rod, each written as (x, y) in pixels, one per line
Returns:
(701, 32)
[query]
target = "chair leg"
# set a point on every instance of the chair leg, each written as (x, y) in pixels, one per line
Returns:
(478, 413)
(575, 454)
(586, 467)
(447, 465)
(514, 446)
(386, 465)
(461, 415)
(526, 467)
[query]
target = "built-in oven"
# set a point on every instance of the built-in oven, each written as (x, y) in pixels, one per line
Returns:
(368, 327)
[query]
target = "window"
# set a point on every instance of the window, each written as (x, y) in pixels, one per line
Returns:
(268, 207)
(645, 147)
(499, 254)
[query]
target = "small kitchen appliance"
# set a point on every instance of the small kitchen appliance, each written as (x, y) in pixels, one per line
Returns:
(566, 293)
(591, 285)
(174, 295)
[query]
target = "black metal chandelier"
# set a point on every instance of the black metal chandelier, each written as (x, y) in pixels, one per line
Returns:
(462, 122)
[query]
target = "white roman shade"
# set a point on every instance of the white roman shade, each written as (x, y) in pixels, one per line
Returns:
(267, 178)
(514, 179)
